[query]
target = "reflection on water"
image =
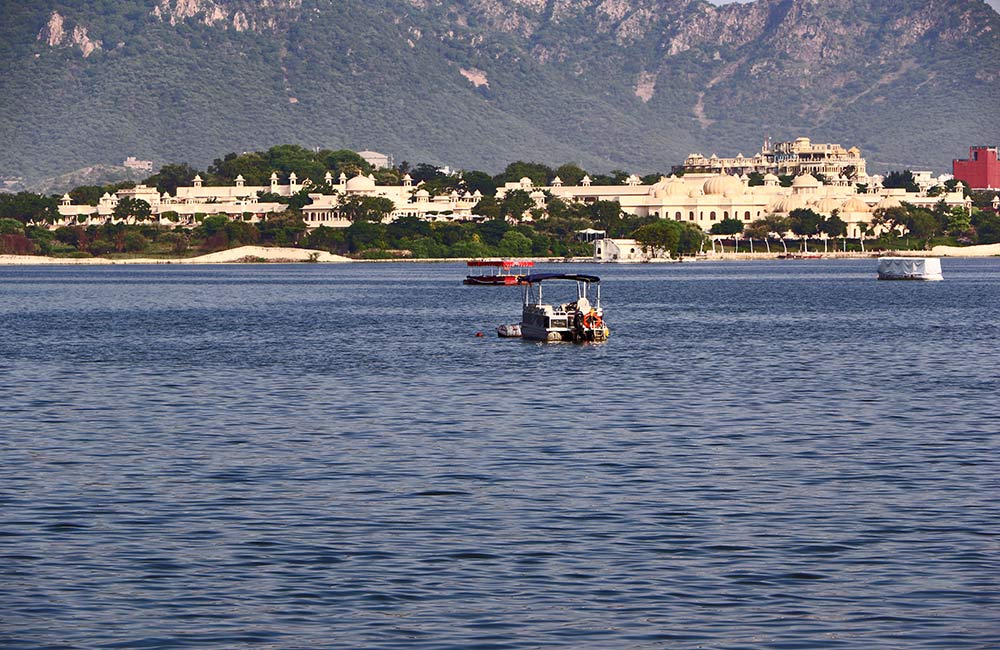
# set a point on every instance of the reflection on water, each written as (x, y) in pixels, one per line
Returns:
(764, 455)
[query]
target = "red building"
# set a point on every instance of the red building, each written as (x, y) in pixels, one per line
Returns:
(981, 171)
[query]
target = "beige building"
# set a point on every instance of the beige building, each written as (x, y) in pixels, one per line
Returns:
(707, 199)
(800, 156)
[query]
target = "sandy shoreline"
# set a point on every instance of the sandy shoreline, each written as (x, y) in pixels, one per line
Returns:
(239, 255)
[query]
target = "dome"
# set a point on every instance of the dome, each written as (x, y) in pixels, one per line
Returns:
(788, 203)
(854, 204)
(827, 205)
(361, 183)
(665, 187)
(805, 181)
(771, 178)
(423, 194)
(723, 184)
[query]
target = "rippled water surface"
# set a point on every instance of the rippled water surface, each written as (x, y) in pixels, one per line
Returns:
(764, 455)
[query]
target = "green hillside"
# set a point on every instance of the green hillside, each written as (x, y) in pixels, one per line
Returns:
(475, 83)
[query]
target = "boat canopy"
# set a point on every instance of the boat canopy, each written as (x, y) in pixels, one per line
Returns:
(506, 264)
(538, 277)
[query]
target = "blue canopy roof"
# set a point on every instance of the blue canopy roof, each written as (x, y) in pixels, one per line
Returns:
(538, 277)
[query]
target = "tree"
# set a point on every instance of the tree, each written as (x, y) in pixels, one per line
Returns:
(661, 236)
(11, 227)
(538, 173)
(425, 172)
(778, 226)
(514, 244)
(130, 208)
(347, 162)
(515, 203)
(135, 242)
(727, 226)
(987, 226)
(834, 226)
(804, 222)
(692, 238)
(487, 207)
(570, 174)
(889, 220)
(170, 177)
(901, 180)
(958, 221)
(479, 181)
(922, 225)
(285, 228)
(607, 215)
(365, 208)
(407, 228)
(492, 231)
(326, 238)
(759, 229)
(756, 179)
(26, 206)
(365, 234)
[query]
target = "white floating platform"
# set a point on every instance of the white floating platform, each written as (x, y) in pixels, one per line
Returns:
(909, 268)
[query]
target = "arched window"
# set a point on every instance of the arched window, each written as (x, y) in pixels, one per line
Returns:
(725, 215)
(691, 216)
(711, 215)
(746, 215)
(677, 216)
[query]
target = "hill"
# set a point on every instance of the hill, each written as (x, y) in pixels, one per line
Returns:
(635, 84)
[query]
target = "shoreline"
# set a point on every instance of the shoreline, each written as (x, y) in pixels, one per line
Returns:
(280, 255)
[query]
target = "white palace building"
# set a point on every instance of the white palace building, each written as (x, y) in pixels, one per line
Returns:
(706, 199)
(240, 201)
(703, 199)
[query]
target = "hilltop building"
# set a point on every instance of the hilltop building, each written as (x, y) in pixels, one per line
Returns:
(794, 158)
(376, 159)
(980, 171)
(139, 165)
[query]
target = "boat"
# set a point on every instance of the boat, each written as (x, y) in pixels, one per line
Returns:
(512, 331)
(577, 321)
(502, 275)
(909, 268)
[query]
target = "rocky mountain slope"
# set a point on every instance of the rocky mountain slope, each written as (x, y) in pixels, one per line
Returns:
(633, 84)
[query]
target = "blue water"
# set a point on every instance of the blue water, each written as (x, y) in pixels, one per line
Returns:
(764, 455)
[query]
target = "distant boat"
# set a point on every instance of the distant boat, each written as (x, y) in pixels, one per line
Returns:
(909, 268)
(576, 321)
(503, 274)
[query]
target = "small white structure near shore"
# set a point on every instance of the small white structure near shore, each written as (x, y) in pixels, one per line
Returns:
(618, 250)
(909, 268)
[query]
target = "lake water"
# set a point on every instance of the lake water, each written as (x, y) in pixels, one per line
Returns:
(764, 455)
